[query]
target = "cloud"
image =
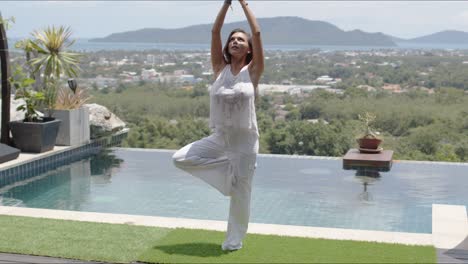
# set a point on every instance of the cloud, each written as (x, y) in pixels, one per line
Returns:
(460, 18)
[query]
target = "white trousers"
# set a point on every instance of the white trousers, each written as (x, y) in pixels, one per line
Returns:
(226, 161)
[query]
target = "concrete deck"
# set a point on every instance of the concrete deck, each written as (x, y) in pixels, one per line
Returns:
(450, 233)
(17, 258)
(28, 157)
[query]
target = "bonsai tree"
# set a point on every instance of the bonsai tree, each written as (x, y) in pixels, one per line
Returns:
(367, 119)
(369, 142)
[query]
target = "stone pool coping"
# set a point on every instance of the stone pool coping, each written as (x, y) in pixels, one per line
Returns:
(25, 158)
(107, 141)
(29, 164)
(28, 157)
(309, 157)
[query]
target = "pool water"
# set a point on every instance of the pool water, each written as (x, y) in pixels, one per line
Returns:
(290, 190)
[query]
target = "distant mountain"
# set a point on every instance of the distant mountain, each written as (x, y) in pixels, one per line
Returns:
(443, 37)
(396, 39)
(275, 31)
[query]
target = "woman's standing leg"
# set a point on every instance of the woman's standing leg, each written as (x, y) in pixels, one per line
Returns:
(239, 211)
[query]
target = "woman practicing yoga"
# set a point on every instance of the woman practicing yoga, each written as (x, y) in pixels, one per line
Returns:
(227, 158)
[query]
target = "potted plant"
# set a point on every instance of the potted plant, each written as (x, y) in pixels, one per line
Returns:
(369, 142)
(34, 133)
(74, 129)
(51, 60)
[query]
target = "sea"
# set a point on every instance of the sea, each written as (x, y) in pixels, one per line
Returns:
(84, 45)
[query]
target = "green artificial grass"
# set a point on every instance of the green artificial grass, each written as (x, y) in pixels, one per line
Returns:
(127, 243)
(76, 240)
(191, 246)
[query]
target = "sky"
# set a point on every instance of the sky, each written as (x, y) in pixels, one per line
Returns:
(89, 19)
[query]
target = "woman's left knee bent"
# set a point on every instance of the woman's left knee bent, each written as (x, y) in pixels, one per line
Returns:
(178, 158)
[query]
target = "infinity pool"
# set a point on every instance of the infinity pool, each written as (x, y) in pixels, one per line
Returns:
(292, 190)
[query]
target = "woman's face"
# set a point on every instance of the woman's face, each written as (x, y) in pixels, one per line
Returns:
(238, 44)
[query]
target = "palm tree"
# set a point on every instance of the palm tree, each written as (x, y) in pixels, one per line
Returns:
(53, 60)
(51, 44)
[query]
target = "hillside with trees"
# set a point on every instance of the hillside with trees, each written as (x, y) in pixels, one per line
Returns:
(416, 125)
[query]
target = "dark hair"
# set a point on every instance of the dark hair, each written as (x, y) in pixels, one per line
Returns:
(227, 56)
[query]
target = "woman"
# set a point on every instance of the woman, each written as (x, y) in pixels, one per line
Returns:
(226, 159)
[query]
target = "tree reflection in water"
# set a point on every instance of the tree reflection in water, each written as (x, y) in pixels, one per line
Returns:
(102, 165)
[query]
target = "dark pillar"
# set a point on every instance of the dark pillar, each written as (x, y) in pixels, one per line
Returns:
(4, 64)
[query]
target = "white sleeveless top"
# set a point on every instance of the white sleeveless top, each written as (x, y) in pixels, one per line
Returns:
(232, 101)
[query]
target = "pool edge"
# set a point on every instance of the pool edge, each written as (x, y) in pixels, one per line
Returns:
(254, 228)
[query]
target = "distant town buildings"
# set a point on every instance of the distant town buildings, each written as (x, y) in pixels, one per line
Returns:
(293, 89)
(188, 68)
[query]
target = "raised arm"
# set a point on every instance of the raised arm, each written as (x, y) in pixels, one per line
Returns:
(256, 66)
(217, 57)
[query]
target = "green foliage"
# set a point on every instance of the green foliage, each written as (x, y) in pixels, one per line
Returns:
(461, 150)
(19, 80)
(304, 138)
(294, 114)
(50, 94)
(424, 139)
(27, 46)
(200, 89)
(158, 117)
(158, 132)
(7, 22)
(448, 95)
(120, 88)
(32, 101)
(415, 125)
(22, 84)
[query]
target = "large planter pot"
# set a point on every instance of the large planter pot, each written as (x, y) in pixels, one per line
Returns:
(74, 129)
(35, 137)
(369, 143)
